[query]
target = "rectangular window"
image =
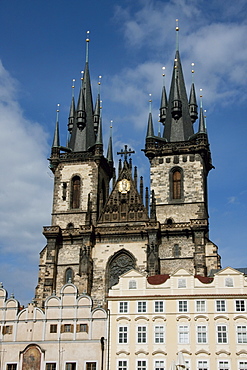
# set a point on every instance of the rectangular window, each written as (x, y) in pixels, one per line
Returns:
(142, 306)
(70, 366)
(90, 365)
(141, 334)
(228, 282)
(187, 365)
(242, 334)
(221, 334)
(122, 365)
(181, 283)
(159, 365)
(141, 365)
(159, 306)
(132, 284)
(242, 365)
(221, 306)
(7, 329)
(11, 366)
(123, 307)
(200, 306)
(201, 334)
(183, 334)
(224, 365)
(50, 366)
(202, 365)
(82, 328)
(159, 334)
(53, 328)
(123, 334)
(68, 328)
(183, 306)
(240, 305)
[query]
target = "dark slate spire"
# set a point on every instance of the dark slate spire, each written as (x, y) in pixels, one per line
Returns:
(56, 138)
(96, 116)
(82, 135)
(178, 124)
(99, 139)
(109, 150)
(202, 124)
(71, 119)
(163, 105)
(193, 104)
(150, 129)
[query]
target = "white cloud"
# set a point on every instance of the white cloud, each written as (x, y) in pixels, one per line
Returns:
(25, 196)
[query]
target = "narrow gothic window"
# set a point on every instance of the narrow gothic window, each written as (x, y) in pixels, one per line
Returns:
(68, 275)
(176, 184)
(75, 192)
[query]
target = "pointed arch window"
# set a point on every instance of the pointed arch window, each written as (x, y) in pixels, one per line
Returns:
(69, 275)
(176, 184)
(75, 192)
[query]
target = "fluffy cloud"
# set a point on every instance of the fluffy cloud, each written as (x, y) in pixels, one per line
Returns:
(25, 196)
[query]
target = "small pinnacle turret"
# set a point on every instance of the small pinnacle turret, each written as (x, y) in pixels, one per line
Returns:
(193, 104)
(56, 138)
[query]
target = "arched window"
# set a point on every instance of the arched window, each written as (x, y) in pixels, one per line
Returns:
(176, 184)
(69, 275)
(118, 265)
(75, 192)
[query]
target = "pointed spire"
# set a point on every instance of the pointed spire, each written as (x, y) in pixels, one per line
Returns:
(163, 103)
(99, 139)
(153, 207)
(176, 102)
(96, 116)
(109, 155)
(135, 176)
(202, 124)
(150, 129)
(193, 104)
(71, 119)
(80, 111)
(56, 138)
(141, 188)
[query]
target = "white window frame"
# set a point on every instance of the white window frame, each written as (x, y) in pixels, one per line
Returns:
(242, 364)
(219, 304)
(142, 306)
(159, 306)
(159, 334)
(132, 284)
(220, 334)
(183, 306)
(141, 366)
(203, 363)
(123, 334)
(91, 361)
(183, 334)
(141, 334)
(241, 305)
(202, 334)
(222, 363)
(123, 307)
(241, 331)
(160, 367)
(199, 305)
(122, 366)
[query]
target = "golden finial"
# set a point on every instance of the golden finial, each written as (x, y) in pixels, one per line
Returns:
(87, 39)
(201, 97)
(192, 65)
(100, 104)
(150, 102)
(73, 86)
(99, 82)
(177, 28)
(58, 105)
(163, 69)
(82, 74)
(111, 122)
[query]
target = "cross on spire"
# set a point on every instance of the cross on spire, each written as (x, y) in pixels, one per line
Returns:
(126, 152)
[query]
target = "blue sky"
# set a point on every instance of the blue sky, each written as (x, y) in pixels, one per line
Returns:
(42, 48)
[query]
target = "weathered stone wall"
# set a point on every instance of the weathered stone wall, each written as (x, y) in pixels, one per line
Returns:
(193, 187)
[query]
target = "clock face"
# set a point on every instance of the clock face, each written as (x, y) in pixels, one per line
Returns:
(124, 186)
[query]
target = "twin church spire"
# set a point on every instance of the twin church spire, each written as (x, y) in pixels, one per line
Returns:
(84, 121)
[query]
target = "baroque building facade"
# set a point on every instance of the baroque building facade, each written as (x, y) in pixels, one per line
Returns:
(114, 247)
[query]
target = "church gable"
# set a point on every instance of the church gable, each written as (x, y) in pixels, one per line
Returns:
(125, 203)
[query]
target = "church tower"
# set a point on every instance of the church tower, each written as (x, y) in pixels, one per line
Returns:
(180, 161)
(96, 235)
